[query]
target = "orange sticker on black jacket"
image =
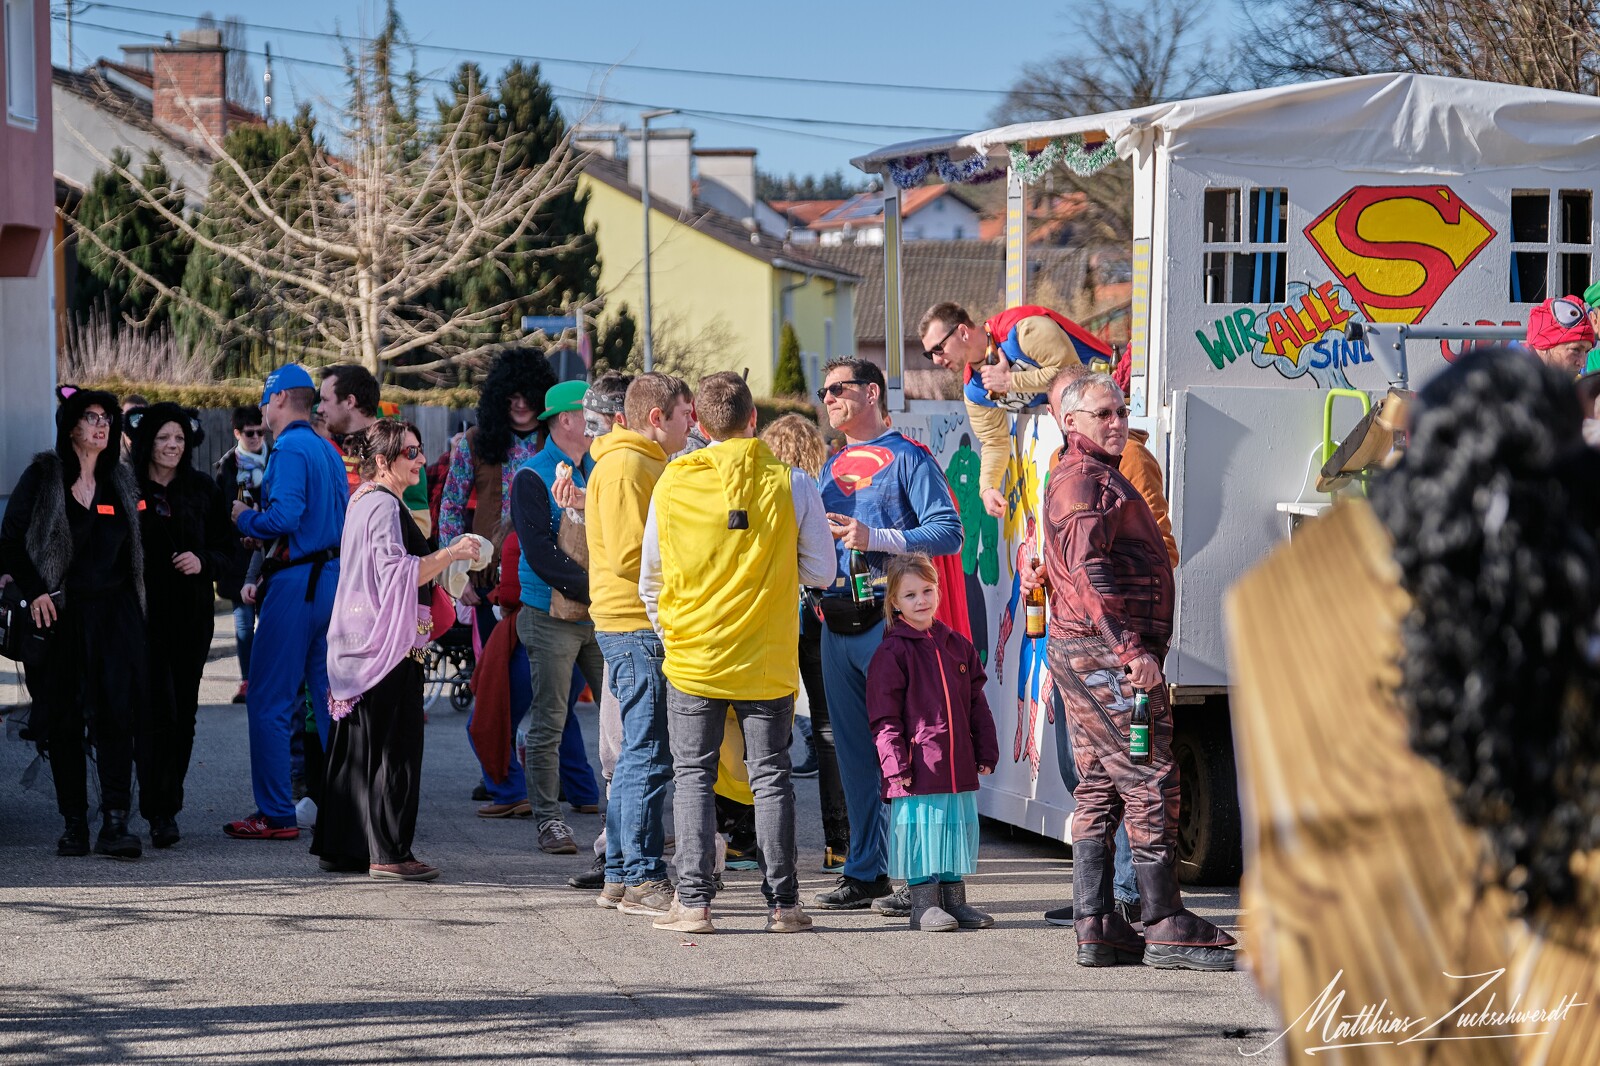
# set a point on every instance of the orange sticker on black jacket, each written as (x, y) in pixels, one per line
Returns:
(106, 508)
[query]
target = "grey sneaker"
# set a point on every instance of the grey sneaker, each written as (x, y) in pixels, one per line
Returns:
(681, 919)
(896, 904)
(788, 920)
(556, 838)
(610, 895)
(653, 898)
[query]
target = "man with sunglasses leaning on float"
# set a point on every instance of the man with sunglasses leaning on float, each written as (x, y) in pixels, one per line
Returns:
(884, 495)
(1109, 571)
(1031, 345)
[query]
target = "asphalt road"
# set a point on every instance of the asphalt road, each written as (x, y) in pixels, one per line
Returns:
(223, 951)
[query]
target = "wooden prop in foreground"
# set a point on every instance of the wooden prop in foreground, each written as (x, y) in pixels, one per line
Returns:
(1359, 877)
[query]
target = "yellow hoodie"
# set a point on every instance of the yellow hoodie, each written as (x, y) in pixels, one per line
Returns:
(730, 569)
(626, 468)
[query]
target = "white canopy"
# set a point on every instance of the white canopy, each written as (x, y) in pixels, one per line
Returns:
(1415, 122)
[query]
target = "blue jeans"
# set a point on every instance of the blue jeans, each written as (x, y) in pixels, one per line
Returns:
(844, 676)
(637, 809)
(244, 633)
(1124, 886)
(695, 733)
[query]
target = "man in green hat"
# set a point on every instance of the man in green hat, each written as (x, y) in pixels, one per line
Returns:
(554, 623)
(1591, 297)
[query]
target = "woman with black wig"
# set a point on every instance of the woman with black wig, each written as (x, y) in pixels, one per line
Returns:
(70, 529)
(189, 543)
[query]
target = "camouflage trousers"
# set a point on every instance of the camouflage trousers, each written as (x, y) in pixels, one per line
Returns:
(1111, 787)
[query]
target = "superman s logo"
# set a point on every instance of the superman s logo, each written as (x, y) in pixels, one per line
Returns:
(855, 467)
(1397, 248)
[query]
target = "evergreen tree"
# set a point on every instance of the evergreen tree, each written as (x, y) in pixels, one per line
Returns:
(789, 378)
(614, 342)
(277, 159)
(122, 217)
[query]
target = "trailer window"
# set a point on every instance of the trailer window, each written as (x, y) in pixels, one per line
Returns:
(1244, 234)
(1552, 243)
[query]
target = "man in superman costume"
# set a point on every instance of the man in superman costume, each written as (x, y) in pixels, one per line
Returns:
(1030, 346)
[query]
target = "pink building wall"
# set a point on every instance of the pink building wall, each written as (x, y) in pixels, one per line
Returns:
(27, 184)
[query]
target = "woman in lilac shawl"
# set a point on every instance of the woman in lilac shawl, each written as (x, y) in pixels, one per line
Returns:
(381, 624)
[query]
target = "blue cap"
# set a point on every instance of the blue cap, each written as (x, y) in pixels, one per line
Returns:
(292, 376)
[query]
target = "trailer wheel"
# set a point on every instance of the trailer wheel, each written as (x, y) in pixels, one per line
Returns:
(1209, 848)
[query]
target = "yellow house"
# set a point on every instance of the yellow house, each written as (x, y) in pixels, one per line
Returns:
(721, 287)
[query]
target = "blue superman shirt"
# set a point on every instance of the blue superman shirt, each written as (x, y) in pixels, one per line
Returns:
(891, 483)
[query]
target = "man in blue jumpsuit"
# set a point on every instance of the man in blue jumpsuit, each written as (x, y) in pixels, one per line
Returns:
(300, 523)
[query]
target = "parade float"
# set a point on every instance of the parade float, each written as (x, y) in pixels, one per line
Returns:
(1297, 251)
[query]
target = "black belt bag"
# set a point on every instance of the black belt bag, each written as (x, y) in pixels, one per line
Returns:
(846, 617)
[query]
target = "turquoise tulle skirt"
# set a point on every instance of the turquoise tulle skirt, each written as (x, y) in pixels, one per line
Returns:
(933, 835)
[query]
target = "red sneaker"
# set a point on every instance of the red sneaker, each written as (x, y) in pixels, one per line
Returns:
(255, 827)
(244, 691)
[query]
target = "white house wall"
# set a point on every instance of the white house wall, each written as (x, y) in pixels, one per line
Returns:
(78, 120)
(27, 370)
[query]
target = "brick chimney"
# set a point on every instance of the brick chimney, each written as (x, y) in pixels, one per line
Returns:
(191, 84)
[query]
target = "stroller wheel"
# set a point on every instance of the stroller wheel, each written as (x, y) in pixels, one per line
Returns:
(461, 697)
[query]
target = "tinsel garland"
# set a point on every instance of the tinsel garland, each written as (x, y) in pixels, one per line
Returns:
(910, 171)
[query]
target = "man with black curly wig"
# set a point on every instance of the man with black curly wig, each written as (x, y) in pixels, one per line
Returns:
(483, 461)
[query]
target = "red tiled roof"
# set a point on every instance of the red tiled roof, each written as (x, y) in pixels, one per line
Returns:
(803, 212)
(1045, 221)
(911, 202)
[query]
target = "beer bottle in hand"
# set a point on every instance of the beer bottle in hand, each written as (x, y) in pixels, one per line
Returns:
(992, 358)
(1139, 729)
(860, 577)
(1034, 618)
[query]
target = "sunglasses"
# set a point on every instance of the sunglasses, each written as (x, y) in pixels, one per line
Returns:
(252, 433)
(1568, 313)
(1105, 414)
(938, 349)
(412, 452)
(92, 419)
(837, 389)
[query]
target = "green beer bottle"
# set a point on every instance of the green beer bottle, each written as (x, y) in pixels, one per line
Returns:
(1139, 729)
(860, 577)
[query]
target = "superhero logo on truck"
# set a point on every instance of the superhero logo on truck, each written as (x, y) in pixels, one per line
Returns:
(1393, 250)
(1397, 248)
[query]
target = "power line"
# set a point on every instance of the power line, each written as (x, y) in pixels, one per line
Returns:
(738, 118)
(594, 64)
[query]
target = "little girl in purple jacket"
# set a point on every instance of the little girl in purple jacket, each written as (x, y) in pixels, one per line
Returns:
(935, 736)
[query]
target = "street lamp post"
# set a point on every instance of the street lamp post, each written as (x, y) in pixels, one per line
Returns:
(644, 146)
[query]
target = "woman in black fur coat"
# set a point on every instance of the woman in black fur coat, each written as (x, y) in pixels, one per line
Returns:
(70, 529)
(189, 543)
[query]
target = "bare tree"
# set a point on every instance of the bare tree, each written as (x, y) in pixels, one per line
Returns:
(1546, 44)
(1129, 56)
(348, 248)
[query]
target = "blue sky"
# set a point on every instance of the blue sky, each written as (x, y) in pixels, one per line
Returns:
(938, 43)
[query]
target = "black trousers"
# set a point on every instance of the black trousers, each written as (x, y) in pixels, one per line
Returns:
(94, 673)
(368, 812)
(835, 818)
(180, 639)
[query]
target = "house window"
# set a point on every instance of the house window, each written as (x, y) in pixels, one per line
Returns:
(21, 99)
(1245, 237)
(1552, 243)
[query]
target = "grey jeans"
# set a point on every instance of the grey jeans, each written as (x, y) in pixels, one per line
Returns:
(553, 646)
(694, 729)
